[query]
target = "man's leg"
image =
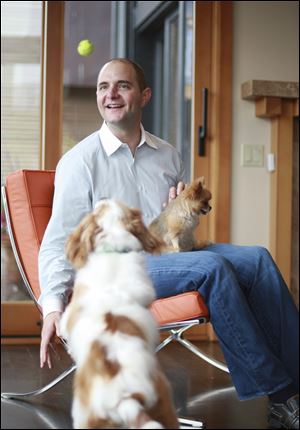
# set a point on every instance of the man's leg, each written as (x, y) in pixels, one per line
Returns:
(254, 366)
(269, 299)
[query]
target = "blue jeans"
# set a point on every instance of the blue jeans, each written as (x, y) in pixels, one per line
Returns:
(251, 310)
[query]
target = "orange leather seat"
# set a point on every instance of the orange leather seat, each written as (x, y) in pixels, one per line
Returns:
(183, 307)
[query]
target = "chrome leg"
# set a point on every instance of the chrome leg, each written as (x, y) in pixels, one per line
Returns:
(40, 390)
(190, 424)
(177, 336)
(164, 343)
(199, 353)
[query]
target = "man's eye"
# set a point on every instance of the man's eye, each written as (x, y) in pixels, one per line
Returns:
(123, 86)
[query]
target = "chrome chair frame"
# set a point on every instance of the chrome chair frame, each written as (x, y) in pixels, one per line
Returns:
(176, 330)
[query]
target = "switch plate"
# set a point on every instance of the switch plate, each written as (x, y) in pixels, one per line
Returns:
(252, 155)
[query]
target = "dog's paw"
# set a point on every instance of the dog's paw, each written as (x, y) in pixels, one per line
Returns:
(152, 425)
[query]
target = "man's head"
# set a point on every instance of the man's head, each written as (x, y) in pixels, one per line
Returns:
(122, 93)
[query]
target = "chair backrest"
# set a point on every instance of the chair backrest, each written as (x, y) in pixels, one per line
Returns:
(29, 196)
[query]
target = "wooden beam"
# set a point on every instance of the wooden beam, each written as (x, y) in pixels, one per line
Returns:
(213, 70)
(281, 189)
(253, 89)
(268, 107)
(52, 89)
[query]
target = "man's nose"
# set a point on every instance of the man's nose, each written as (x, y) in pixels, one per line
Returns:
(112, 92)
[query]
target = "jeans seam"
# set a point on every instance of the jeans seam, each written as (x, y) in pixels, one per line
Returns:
(263, 323)
(235, 336)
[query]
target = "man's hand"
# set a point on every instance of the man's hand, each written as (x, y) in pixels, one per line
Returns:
(49, 330)
(175, 191)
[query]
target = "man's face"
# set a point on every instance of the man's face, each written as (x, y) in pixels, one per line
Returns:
(119, 98)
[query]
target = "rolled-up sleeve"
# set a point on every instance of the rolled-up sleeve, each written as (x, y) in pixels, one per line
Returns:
(72, 201)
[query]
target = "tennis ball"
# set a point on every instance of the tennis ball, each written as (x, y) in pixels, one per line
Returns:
(85, 48)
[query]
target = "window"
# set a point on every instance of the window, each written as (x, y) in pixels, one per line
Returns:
(21, 26)
(80, 112)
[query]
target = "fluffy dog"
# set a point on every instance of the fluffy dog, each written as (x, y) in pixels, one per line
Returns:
(109, 329)
(177, 222)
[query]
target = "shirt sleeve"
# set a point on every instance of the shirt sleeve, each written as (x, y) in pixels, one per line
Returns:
(72, 201)
(181, 170)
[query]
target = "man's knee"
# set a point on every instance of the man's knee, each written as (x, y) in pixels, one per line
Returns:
(216, 270)
(261, 253)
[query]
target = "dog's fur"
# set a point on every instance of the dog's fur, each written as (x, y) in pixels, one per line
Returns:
(177, 222)
(109, 329)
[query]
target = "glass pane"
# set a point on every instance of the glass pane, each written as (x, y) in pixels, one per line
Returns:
(92, 21)
(173, 101)
(21, 24)
(178, 69)
(21, 27)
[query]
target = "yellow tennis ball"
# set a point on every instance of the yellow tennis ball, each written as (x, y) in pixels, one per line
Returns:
(85, 48)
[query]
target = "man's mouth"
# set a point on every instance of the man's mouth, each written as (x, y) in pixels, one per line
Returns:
(114, 106)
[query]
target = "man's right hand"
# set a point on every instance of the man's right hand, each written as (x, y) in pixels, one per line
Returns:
(49, 330)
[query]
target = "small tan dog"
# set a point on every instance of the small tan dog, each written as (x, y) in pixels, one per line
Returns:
(177, 222)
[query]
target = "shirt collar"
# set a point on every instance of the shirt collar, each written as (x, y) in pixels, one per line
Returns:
(111, 143)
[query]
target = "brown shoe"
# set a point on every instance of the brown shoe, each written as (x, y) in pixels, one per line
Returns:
(284, 415)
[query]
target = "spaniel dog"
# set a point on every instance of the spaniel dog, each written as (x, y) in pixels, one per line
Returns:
(109, 329)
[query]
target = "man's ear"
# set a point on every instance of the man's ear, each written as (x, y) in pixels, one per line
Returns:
(146, 96)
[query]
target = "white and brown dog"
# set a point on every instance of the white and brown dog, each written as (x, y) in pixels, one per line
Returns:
(109, 329)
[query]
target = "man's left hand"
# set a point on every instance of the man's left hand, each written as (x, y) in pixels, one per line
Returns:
(175, 191)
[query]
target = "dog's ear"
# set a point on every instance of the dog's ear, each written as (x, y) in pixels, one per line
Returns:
(199, 183)
(150, 242)
(82, 241)
(194, 190)
(202, 180)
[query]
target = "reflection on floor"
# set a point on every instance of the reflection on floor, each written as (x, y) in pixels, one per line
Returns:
(200, 391)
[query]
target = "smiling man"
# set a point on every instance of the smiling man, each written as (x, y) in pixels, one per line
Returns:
(121, 161)
(121, 95)
(250, 306)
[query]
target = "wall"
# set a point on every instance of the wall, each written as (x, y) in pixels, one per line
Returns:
(266, 46)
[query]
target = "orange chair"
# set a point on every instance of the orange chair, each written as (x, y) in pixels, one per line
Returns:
(27, 198)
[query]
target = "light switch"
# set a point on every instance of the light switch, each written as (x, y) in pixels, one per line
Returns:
(252, 155)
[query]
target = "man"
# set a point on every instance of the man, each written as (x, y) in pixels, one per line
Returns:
(250, 306)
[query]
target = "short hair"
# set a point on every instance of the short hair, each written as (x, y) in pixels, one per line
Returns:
(139, 72)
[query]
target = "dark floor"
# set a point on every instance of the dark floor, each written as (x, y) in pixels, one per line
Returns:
(200, 391)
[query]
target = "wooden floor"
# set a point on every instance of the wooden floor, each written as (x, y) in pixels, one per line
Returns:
(200, 391)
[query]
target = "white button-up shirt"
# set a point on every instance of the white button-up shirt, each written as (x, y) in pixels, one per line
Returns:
(97, 167)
